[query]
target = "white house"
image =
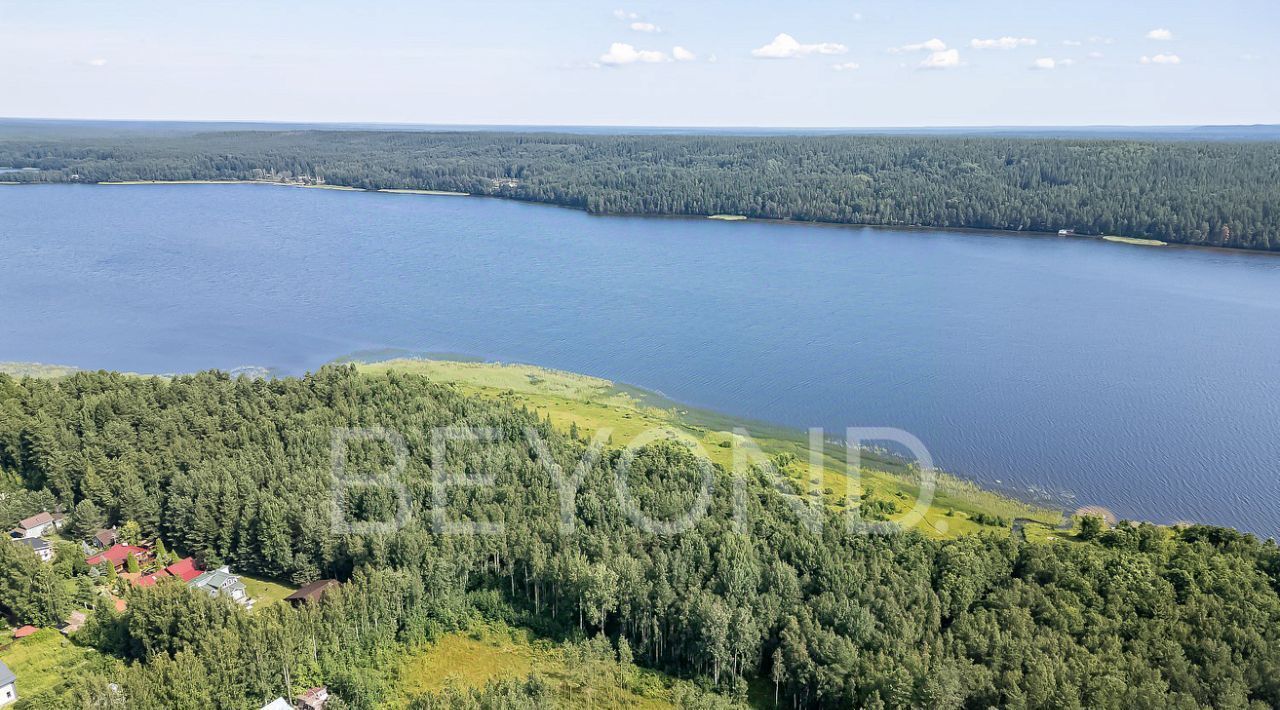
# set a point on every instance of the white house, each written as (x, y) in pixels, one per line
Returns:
(42, 547)
(37, 525)
(8, 685)
(278, 704)
(221, 583)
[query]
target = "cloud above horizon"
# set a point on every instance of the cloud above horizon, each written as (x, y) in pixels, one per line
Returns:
(1161, 59)
(1002, 43)
(932, 45)
(939, 56)
(784, 46)
(942, 59)
(621, 53)
(1160, 34)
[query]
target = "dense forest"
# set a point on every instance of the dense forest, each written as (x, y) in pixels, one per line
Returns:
(1211, 193)
(239, 471)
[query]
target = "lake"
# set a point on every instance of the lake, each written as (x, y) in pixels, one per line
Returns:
(1146, 380)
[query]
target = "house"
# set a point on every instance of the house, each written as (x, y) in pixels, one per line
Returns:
(313, 699)
(40, 546)
(118, 556)
(37, 525)
(221, 583)
(312, 592)
(278, 704)
(149, 580)
(25, 631)
(184, 569)
(8, 685)
(1066, 232)
(104, 538)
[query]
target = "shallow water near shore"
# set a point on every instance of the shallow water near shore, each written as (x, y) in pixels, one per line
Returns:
(1143, 380)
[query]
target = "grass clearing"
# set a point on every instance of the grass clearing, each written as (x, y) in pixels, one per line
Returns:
(35, 369)
(265, 592)
(1136, 241)
(46, 663)
(494, 652)
(593, 404)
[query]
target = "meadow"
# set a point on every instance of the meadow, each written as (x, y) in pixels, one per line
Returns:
(590, 404)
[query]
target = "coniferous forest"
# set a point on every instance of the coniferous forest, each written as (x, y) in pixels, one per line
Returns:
(238, 471)
(1203, 193)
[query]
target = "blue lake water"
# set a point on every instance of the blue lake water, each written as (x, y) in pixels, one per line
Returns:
(1144, 380)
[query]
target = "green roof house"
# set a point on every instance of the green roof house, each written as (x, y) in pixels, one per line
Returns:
(221, 583)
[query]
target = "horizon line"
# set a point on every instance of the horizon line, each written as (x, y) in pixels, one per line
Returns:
(992, 126)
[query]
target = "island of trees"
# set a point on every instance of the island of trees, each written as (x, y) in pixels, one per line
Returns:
(1221, 194)
(238, 471)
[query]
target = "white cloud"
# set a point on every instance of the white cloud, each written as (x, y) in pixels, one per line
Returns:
(933, 45)
(1096, 55)
(1002, 43)
(784, 46)
(944, 59)
(846, 66)
(624, 15)
(1066, 62)
(1071, 43)
(683, 55)
(1160, 34)
(645, 27)
(1161, 59)
(97, 62)
(712, 59)
(857, 17)
(1044, 64)
(621, 53)
(1101, 40)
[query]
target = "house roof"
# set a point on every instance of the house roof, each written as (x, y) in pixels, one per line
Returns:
(278, 704)
(220, 578)
(35, 543)
(150, 579)
(184, 569)
(25, 631)
(6, 675)
(314, 697)
(313, 591)
(42, 518)
(116, 555)
(105, 537)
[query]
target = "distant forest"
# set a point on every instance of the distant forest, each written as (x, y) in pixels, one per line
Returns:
(1205, 193)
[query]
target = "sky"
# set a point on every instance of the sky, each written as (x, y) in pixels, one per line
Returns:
(797, 63)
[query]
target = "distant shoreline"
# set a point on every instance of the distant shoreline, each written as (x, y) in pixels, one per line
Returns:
(992, 231)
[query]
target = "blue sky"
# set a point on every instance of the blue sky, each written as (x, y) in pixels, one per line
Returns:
(647, 62)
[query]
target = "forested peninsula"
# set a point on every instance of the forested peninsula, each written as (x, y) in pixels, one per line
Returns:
(1221, 194)
(757, 608)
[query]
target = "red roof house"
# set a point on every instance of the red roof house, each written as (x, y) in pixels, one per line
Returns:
(25, 631)
(150, 579)
(116, 555)
(184, 569)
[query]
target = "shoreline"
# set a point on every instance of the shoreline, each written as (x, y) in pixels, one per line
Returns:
(1052, 515)
(719, 217)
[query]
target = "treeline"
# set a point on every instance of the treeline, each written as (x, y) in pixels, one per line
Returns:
(1219, 194)
(239, 471)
